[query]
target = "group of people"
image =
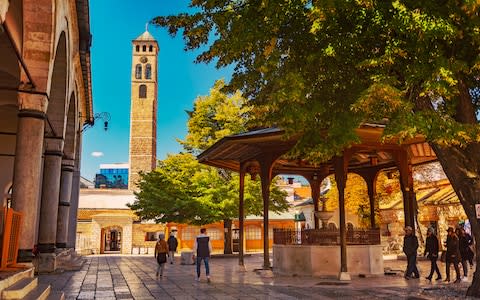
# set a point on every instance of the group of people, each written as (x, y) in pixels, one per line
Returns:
(458, 250)
(202, 248)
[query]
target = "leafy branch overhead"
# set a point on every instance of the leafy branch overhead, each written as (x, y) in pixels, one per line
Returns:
(307, 66)
(319, 68)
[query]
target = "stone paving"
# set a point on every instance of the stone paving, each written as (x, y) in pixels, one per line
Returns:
(133, 277)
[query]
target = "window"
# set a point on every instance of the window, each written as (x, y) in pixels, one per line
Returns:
(137, 48)
(189, 233)
(214, 234)
(144, 48)
(148, 71)
(253, 233)
(138, 71)
(142, 91)
(152, 236)
(150, 48)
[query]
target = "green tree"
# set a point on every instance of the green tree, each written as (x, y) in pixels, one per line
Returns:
(313, 66)
(214, 117)
(183, 191)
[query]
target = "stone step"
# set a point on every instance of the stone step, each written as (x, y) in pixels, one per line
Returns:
(56, 295)
(41, 292)
(15, 277)
(20, 289)
(72, 265)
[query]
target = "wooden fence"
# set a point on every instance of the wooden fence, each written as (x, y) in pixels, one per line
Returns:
(325, 237)
(11, 221)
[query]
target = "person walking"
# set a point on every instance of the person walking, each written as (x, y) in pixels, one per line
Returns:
(410, 246)
(202, 248)
(172, 247)
(161, 252)
(452, 255)
(431, 248)
(466, 253)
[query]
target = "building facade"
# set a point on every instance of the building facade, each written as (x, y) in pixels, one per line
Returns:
(107, 225)
(112, 176)
(45, 101)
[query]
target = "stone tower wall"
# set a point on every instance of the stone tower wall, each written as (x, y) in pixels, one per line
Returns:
(143, 113)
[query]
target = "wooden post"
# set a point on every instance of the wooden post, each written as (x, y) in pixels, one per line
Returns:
(266, 164)
(370, 176)
(406, 184)
(340, 165)
(241, 215)
(315, 187)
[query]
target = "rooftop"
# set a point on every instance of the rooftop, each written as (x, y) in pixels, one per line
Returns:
(146, 36)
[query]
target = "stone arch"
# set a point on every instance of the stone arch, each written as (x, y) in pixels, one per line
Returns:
(71, 128)
(58, 91)
(10, 76)
(7, 195)
(38, 40)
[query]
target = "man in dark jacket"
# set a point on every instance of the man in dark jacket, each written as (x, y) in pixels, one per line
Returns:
(453, 254)
(431, 248)
(202, 248)
(410, 246)
(464, 242)
(172, 247)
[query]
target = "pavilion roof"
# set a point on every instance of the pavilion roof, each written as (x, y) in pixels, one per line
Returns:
(247, 147)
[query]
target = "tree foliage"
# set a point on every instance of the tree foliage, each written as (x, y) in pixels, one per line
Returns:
(181, 190)
(311, 66)
(214, 117)
(323, 66)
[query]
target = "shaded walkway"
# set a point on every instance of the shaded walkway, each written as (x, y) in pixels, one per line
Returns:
(133, 277)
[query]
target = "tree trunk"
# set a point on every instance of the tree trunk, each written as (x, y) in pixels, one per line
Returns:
(227, 225)
(462, 167)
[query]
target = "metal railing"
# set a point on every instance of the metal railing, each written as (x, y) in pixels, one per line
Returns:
(11, 236)
(325, 237)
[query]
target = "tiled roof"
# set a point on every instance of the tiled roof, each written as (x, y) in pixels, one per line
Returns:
(88, 214)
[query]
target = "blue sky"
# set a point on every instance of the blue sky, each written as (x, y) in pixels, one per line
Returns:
(114, 24)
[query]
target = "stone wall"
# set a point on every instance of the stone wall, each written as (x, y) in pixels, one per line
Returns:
(324, 261)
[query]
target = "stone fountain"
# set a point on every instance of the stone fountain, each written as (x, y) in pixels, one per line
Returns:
(324, 215)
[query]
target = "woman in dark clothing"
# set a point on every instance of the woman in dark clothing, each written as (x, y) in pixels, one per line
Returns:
(161, 252)
(431, 248)
(452, 255)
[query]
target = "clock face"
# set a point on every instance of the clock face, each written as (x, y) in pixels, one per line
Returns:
(143, 59)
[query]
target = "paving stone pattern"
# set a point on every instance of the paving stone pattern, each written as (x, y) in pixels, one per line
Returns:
(133, 277)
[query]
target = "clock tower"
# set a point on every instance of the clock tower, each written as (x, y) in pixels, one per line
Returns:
(143, 112)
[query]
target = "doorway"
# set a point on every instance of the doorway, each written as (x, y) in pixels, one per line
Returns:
(111, 239)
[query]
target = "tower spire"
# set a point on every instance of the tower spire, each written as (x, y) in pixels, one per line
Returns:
(146, 26)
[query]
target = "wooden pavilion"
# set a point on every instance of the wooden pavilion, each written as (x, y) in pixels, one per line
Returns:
(263, 152)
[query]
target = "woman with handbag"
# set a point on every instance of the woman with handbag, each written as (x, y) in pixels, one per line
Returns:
(161, 252)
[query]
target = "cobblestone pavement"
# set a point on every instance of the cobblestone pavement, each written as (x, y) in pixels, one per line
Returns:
(133, 277)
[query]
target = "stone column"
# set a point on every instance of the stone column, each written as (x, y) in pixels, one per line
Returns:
(74, 199)
(27, 169)
(51, 186)
(64, 203)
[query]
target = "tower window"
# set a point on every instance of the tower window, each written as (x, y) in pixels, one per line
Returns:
(144, 48)
(137, 48)
(142, 91)
(138, 71)
(148, 71)
(150, 48)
